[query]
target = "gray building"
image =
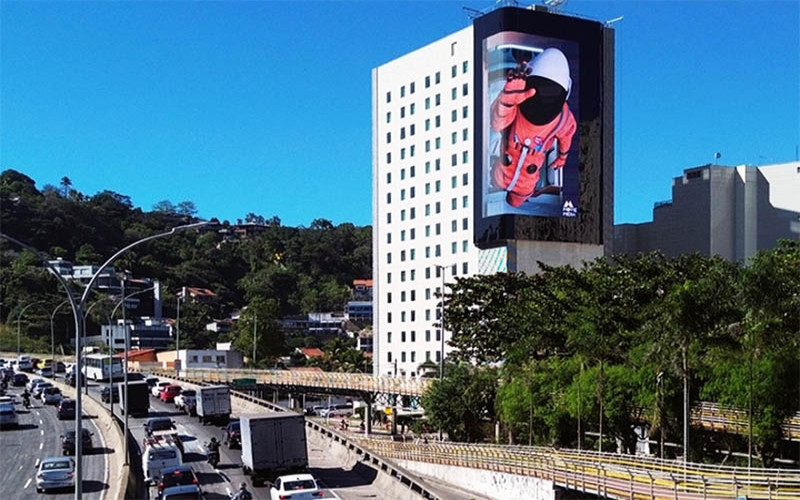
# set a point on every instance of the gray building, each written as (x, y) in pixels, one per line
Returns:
(728, 211)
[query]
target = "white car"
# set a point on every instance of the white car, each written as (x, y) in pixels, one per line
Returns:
(55, 472)
(8, 399)
(187, 396)
(32, 383)
(156, 390)
(39, 388)
(296, 487)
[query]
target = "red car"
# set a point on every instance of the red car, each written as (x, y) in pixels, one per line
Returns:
(169, 392)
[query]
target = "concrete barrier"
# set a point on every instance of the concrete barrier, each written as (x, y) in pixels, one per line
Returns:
(117, 479)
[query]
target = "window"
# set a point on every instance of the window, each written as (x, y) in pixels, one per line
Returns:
(453, 225)
(402, 276)
(389, 356)
(465, 268)
(411, 192)
(453, 181)
(454, 248)
(427, 355)
(453, 137)
(427, 146)
(465, 157)
(438, 356)
(389, 298)
(465, 89)
(413, 214)
(438, 164)
(403, 112)
(206, 359)
(427, 231)
(438, 251)
(438, 77)
(427, 188)
(427, 316)
(412, 150)
(389, 317)
(403, 356)
(428, 293)
(402, 215)
(402, 153)
(464, 68)
(389, 218)
(464, 179)
(465, 112)
(453, 160)
(388, 117)
(388, 177)
(427, 335)
(411, 171)
(453, 203)
(453, 93)
(388, 137)
(465, 247)
(413, 277)
(438, 142)
(403, 299)
(388, 157)
(389, 258)
(411, 91)
(389, 341)
(427, 167)
(412, 254)
(427, 209)
(413, 236)
(412, 129)
(411, 108)
(453, 115)
(402, 132)
(453, 71)
(413, 353)
(464, 224)
(427, 252)
(388, 198)
(438, 121)
(402, 336)
(402, 174)
(403, 91)
(427, 103)
(388, 97)
(427, 82)
(438, 99)
(465, 135)
(402, 194)
(465, 201)
(389, 278)
(427, 124)
(438, 185)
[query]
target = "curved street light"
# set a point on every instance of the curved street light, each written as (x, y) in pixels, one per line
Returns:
(52, 335)
(77, 310)
(19, 318)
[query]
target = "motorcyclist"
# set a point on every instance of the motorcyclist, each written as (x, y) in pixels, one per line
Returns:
(242, 494)
(26, 398)
(213, 451)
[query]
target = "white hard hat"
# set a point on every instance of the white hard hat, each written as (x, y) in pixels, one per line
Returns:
(552, 64)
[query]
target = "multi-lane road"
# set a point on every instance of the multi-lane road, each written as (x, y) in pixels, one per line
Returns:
(37, 437)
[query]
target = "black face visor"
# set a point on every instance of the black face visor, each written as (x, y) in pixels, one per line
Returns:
(543, 107)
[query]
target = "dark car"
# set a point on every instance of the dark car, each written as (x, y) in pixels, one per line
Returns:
(19, 380)
(151, 381)
(185, 492)
(70, 379)
(60, 367)
(66, 409)
(233, 435)
(176, 476)
(68, 442)
(105, 394)
(158, 424)
(7, 374)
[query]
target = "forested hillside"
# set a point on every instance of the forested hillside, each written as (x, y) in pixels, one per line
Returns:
(278, 272)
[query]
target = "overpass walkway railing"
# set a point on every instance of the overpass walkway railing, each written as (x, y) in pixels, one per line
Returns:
(711, 416)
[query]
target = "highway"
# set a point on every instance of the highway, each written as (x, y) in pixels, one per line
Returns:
(38, 437)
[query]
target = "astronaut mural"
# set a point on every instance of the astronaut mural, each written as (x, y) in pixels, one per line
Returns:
(531, 163)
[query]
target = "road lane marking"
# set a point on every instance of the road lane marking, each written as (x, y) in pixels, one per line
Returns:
(27, 484)
(36, 464)
(40, 422)
(41, 445)
(42, 431)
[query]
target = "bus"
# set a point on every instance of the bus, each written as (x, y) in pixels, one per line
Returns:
(101, 367)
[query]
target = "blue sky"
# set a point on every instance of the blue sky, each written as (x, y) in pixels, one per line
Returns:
(265, 107)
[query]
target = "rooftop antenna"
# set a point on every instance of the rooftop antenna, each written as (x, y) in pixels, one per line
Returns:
(555, 5)
(612, 21)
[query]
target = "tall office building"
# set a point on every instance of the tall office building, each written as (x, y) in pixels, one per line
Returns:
(728, 211)
(446, 200)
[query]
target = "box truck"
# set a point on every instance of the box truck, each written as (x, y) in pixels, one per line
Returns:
(214, 404)
(273, 444)
(138, 403)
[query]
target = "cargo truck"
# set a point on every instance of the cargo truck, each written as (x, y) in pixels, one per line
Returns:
(273, 444)
(214, 404)
(138, 403)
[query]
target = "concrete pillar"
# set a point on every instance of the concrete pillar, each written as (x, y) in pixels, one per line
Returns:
(394, 420)
(368, 418)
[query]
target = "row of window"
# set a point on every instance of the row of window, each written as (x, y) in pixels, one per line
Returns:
(412, 233)
(413, 336)
(437, 209)
(412, 130)
(412, 191)
(413, 274)
(437, 118)
(413, 357)
(437, 252)
(437, 79)
(437, 145)
(437, 101)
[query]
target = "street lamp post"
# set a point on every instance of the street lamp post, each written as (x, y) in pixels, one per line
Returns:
(177, 363)
(255, 329)
(52, 335)
(19, 324)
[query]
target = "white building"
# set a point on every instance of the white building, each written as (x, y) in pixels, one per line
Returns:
(422, 191)
(203, 358)
(426, 217)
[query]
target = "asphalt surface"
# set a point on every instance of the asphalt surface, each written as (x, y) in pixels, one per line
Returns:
(38, 437)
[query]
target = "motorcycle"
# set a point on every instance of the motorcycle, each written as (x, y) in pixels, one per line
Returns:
(212, 456)
(26, 402)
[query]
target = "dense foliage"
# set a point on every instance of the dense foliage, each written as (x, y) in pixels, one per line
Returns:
(611, 348)
(270, 273)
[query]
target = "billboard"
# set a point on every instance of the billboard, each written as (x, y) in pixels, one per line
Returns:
(544, 99)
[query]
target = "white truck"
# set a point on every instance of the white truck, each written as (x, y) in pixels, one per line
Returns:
(273, 444)
(214, 404)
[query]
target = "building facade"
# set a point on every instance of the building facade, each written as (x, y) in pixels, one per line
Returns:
(732, 212)
(422, 191)
(441, 208)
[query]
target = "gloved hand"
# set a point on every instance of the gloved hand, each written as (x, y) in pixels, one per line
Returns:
(560, 161)
(514, 92)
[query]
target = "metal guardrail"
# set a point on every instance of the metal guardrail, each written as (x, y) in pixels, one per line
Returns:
(367, 456)
(608, 474)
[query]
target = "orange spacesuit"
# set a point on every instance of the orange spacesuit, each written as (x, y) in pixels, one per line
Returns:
(531, 113)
